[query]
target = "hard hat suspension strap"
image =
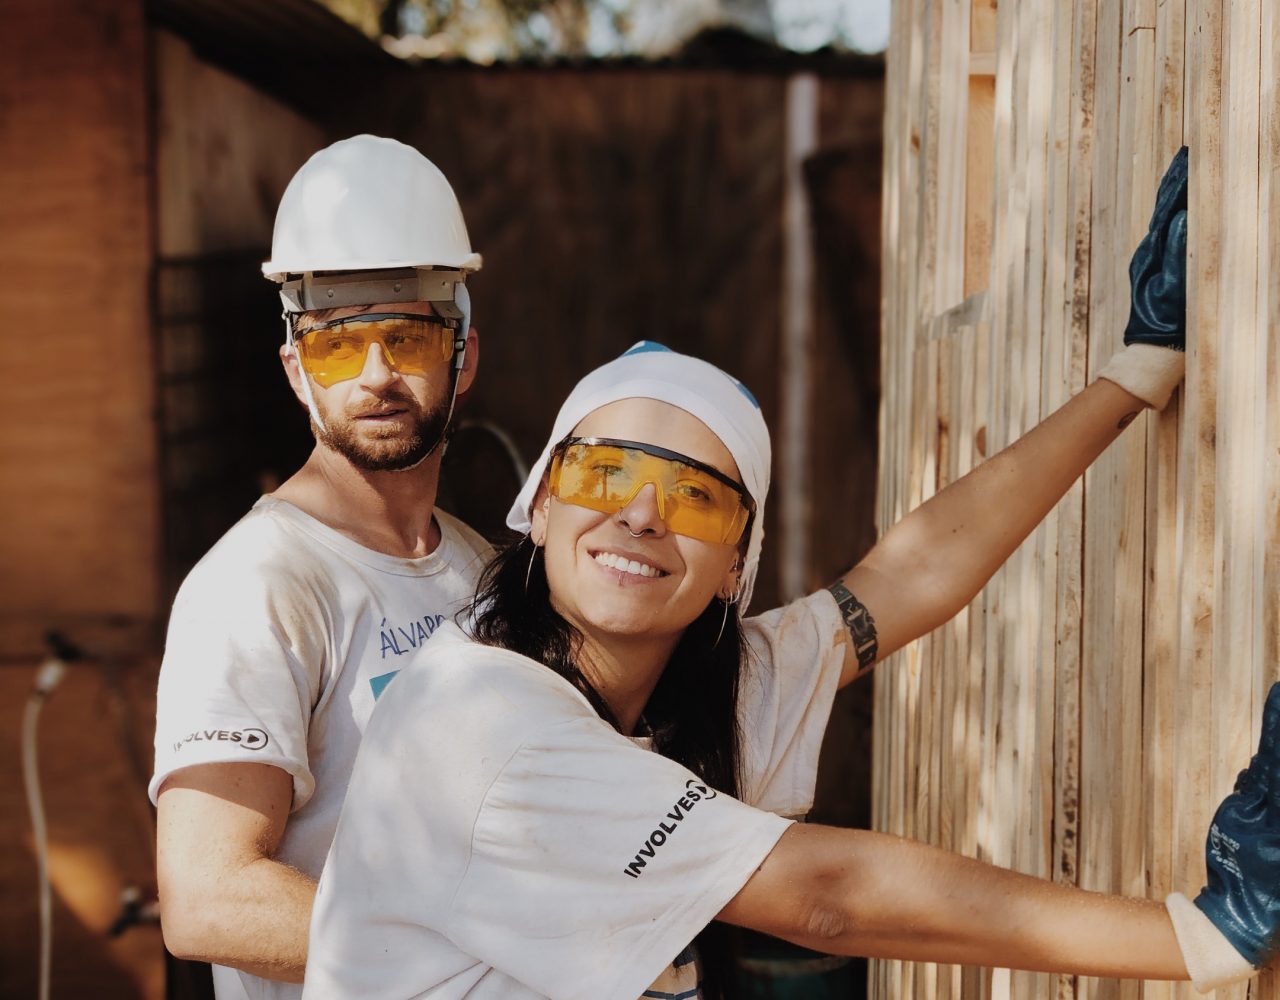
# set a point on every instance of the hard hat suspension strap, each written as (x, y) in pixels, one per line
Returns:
(292, 347)
(304, 292)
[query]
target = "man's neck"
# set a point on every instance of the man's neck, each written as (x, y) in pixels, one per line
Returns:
(389, 512)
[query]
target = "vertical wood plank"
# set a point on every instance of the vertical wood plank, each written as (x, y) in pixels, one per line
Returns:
(1162, 765)
(1075, 300)
(1196, 460)
(1238, 514)
(1108, 657)
(952, 177)
(1267, 669)
(975, 982)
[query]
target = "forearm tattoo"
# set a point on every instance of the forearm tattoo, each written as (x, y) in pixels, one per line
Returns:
(861, 626)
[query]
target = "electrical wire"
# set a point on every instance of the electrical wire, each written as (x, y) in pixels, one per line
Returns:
(503, 439)
(47, 678)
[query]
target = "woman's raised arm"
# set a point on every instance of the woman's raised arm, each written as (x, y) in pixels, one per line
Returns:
(934, 561)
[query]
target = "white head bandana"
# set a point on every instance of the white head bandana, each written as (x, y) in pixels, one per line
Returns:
(651, 371)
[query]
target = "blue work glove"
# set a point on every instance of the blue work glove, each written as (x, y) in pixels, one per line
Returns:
(1243, 852)
(1158, 270)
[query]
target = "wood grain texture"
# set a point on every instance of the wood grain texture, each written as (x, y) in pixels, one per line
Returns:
(1113, 671)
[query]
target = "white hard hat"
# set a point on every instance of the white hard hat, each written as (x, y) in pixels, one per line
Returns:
(370, 220)
(368, 204)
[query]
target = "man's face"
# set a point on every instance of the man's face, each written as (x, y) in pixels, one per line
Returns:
(382, 420)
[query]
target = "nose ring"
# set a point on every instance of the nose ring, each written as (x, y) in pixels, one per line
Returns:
(634, 534)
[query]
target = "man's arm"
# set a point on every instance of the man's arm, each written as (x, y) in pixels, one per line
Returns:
(855, 892)
(224, 898)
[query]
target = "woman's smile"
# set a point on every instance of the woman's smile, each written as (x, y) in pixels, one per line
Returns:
(626, 566)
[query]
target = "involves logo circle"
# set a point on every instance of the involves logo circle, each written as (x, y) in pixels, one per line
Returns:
(253, 739)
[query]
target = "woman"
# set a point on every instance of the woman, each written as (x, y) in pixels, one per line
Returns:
(559, 806)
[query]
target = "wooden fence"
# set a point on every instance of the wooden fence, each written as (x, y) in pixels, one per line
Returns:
(1083, 717)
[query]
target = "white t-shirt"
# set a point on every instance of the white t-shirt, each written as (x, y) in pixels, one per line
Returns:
(501, 842)
(279, 640)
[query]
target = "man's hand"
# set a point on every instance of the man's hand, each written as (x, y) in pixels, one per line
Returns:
(1158, 270)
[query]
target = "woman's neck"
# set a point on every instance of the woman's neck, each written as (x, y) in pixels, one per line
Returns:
(624, 671)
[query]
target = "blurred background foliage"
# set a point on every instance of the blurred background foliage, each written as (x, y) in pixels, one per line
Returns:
(488, 31)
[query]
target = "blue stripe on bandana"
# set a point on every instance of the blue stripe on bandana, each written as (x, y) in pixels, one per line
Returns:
(645, 347)
(652, 346)
(745, 391)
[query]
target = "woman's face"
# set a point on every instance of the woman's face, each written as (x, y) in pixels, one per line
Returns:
(603, 578)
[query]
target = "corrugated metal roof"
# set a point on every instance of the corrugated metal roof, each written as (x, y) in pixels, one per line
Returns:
(305, 55)
(295, 49)
(715, 48)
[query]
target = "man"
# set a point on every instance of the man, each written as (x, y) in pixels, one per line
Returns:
(284, 634)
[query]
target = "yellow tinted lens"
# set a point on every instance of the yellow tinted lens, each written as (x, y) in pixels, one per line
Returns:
(593, 476)
(412, 346)
(416, 345)
(703, 507)
(331, 356)
(606, 478)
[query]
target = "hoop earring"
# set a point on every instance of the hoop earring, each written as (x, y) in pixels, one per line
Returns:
(529, 572)
(724, 619)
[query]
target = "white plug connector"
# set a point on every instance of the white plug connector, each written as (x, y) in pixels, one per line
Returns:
(48, 676)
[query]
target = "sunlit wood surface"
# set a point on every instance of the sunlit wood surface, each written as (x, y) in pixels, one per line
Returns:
(1083, 717)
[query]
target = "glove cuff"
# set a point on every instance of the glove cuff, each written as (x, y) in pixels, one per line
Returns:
(1210, 958)
(1151, 373)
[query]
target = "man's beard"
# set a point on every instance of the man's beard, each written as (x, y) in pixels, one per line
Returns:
(392, 454)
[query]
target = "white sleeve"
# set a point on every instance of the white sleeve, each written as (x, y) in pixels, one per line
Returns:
(795, 656)
(241, 672)
(594, 862)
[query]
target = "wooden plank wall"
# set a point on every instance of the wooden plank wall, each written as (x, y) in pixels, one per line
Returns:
(1083, 717)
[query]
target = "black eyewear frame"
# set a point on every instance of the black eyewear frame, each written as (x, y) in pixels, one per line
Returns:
(671, 456)
(452, 324)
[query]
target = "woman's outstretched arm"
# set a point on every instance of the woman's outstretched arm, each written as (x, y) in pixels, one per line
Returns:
(860, 893)
(855, 892)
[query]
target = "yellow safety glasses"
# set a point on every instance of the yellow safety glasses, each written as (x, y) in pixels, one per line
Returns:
(694, 499)
(411, 344)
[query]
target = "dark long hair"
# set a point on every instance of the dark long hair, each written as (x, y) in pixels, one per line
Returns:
(692, 713)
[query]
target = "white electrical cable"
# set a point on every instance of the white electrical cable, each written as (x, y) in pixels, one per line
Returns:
(47, 678)
(504, 439)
